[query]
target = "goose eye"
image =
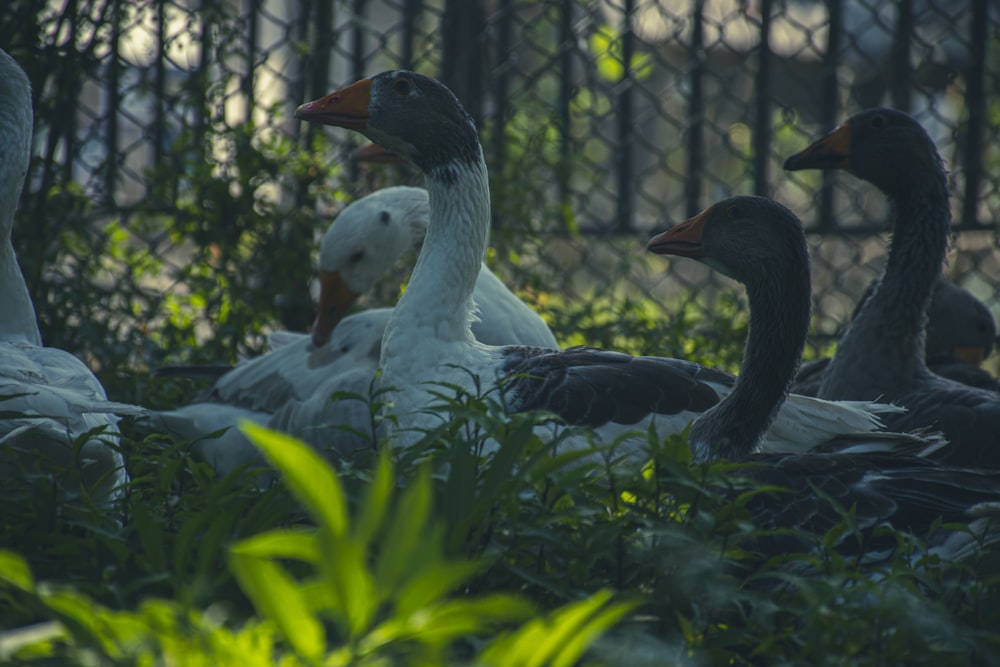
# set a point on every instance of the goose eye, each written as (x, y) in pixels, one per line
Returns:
(878, 122)
(402, 86)
(384, 217)
(357, 256)
(733, 211)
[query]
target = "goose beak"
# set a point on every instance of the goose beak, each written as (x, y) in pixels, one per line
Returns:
(375, 154)
(347, 107)
(335, 300)
(970, 355)
(683, 240)
(831, 152)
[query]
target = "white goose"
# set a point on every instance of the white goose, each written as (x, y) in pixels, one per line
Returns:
(289, 388)
(428, 342)
(60, 397)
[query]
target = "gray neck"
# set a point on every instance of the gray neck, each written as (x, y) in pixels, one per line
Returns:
(882, 352)
(779, 324)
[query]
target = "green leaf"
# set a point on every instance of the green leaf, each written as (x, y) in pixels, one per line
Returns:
(297, 544)
(559, 639)
(308, 476)
(276, 596)
(14, 570)
(405, 535)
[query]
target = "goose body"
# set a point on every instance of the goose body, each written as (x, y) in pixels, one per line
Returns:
(882, 353)
(428, 344)
(761, 244)
(57, 401)
(961, 333)
(290, 387)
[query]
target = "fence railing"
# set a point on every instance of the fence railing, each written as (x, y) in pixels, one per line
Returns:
(168, 168)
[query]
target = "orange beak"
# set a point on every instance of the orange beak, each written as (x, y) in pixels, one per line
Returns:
(831, 152)
(683, 240)
(335, 300)
(970, 355)
(347, 107)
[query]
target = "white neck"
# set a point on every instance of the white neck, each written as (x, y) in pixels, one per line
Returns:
(438, 300)
(17, 315)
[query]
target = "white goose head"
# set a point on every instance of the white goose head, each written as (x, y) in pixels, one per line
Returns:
(362, 244)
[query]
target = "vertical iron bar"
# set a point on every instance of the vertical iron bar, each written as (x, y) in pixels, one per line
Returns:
(830, 105)
(975, 102)
(113, 101)
(762, 122)
(159, 86)
(501, 76)
(359, 8)
(72, 92)
(900, 82)
(623, 156)
(246, 83)
(357, 70)
(201, 78)
(565, 98)
(322, 46)
(411, 14)
(696, 112)
(450, 44)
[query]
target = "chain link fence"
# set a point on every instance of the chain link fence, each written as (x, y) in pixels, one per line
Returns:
(173, 205)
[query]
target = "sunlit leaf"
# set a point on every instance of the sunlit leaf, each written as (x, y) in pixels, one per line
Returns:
(306, 473)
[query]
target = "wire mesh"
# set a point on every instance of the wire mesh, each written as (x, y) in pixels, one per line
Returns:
(174, 206)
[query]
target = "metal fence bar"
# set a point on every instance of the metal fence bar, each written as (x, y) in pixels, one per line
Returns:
(160, 87)
(200, 80)
(623, 103)
(411, 17)
(501, 74)
(830, 105)
(763, 104)
(113, 101)
(975, 101)
(247, 80)
(564, 98)
(695, 128)
(900, 82)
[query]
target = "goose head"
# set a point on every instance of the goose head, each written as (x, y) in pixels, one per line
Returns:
(750, 239)
(410, 114)
(362, 244)
(885, 147)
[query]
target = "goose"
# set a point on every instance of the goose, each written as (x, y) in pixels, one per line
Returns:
(428, 344)
(289, 388)
(960, 335)
(881, 355)
(761, 244)
(63, 416)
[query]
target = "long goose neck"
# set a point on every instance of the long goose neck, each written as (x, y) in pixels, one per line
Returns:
(779, 324)
(17, 315)
(888, 332)
(438, 299)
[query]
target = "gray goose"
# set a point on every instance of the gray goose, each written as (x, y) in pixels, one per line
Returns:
(961, 333)
(881, 355)
(761, 244)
